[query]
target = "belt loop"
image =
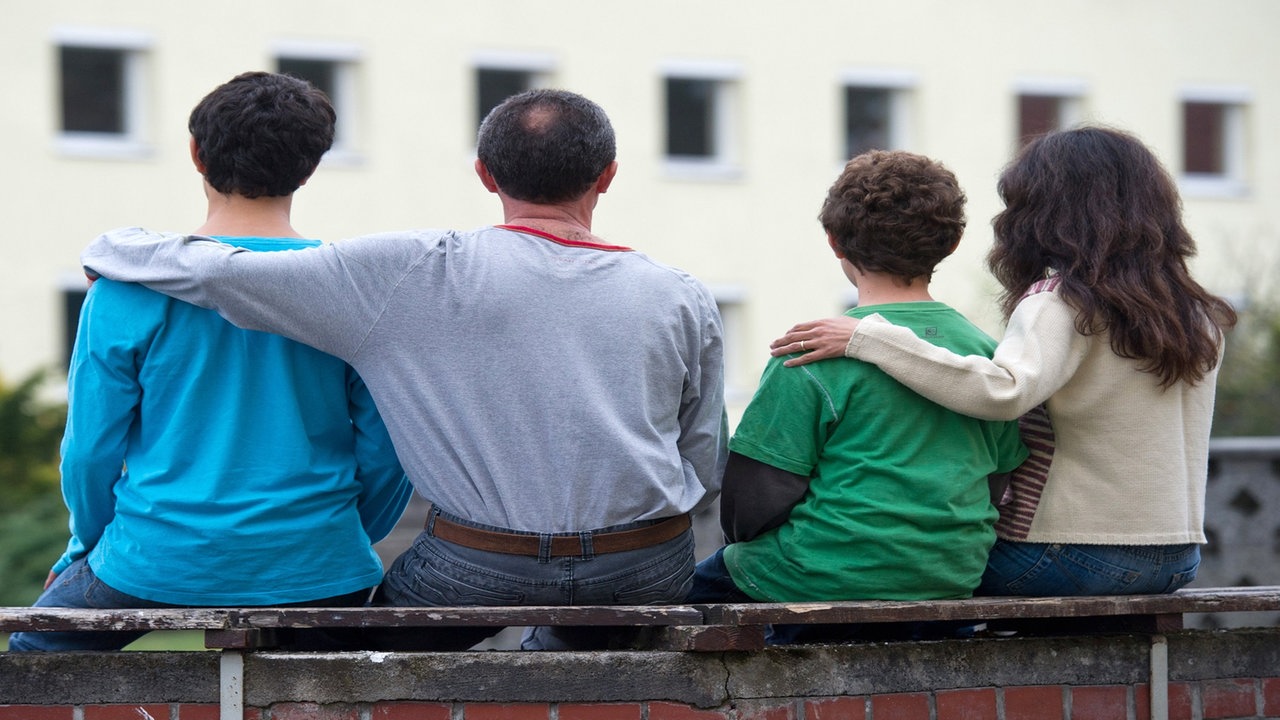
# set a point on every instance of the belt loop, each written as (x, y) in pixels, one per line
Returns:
(432, 513)
(544, 548)
(588, 548)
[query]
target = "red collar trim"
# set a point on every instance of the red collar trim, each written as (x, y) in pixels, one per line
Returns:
(564, 241)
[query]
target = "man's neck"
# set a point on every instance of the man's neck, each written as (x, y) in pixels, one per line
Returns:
(571, 220)
(238, 216)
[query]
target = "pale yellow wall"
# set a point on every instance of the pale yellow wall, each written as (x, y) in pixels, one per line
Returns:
(756, 233)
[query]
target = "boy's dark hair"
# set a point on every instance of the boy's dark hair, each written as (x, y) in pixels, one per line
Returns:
(261, 134)
(546, 146)
(895, 213)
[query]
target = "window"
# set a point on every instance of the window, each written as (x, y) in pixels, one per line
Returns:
(332, 69)
(1213, 139)
(700, 118)
(74, 291)
(1047, 105)
(100, 91)
(731, 302)
(875, 106)
(493, 85)
(499, 75)
(1038, 115)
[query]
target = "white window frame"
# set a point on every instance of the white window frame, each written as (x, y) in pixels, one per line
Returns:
(901, 85)
(345, 58)
(135, 46)
(1232, 182)
(731, 304)
(1070, 93)
(724, 164)
(539, 65)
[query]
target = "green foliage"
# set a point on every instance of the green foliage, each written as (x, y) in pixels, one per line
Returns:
(30, 434)
(32, 537)
(1248, 401)
(33, 520)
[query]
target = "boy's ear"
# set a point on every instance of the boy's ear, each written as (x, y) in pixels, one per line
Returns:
(835, 246)
(195, 157)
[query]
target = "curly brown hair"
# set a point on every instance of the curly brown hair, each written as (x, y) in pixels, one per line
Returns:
(1096, 207)
(895, 213)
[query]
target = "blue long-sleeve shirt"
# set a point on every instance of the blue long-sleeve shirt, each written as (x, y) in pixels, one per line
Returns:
(208, 465)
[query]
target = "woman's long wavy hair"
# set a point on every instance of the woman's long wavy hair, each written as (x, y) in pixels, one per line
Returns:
(1095, 206)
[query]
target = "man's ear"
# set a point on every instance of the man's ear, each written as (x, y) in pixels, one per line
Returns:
(486, 179)
(606, 178)
(195, 157)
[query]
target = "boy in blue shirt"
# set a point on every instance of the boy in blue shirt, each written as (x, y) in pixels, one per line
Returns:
(204, 465)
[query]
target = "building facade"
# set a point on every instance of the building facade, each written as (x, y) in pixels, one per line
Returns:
(732, 119)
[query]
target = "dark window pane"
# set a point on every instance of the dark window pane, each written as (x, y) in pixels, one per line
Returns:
(321, 73)
(1038, 115)
(92, 90)
(1203, 127)
(72, 301)
(691, 117)
(494, 86)
(866, 120)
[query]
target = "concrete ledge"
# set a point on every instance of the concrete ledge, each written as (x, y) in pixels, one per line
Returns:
(123, 677)
(503, 677)
(701, 680)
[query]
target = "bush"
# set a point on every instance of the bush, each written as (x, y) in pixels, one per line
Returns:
(33, 519)
(1248, 401)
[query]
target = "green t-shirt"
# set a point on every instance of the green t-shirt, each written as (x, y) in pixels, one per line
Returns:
(898, 506)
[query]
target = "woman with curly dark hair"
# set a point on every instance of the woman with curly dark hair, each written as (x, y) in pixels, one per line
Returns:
(1108, 332)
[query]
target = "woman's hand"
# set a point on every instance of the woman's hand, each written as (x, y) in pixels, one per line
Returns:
(815, 340)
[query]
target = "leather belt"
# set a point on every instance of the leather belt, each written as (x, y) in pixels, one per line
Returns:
(562, 545)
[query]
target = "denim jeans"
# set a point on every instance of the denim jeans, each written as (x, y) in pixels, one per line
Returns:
(79, 587)
(1042, 569)
(435, 572)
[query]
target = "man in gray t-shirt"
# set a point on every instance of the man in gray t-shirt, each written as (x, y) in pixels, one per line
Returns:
(558, 399)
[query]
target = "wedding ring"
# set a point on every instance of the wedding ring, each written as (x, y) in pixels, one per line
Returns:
(802, 347)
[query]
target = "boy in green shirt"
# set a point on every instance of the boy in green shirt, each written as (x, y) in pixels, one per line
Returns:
(842, 484)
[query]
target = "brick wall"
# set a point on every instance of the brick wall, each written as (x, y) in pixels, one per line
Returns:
(1234, 698)
(1210, 674)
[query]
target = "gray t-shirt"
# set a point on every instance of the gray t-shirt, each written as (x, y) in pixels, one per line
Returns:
(528, 382)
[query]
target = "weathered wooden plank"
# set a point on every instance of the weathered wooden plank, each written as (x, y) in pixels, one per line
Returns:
(593, 615)
(1165, 608)
(996, 608)
(707, 638)
(40, 618)
(239, 639)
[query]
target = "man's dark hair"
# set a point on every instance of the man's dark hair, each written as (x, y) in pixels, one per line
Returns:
(546, 146)
(895, 212)
(261, 134)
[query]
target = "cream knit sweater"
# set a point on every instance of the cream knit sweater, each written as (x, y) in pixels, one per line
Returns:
(1130, 461)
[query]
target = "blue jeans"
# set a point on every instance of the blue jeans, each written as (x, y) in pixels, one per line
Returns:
(79, 587)
(1041, 569)
(435, 572)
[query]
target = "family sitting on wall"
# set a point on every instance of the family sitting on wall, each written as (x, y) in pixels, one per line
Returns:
(250, 409)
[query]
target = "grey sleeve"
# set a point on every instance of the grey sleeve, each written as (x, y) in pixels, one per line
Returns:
(328, 297)
(704, 424)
